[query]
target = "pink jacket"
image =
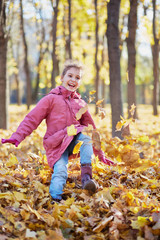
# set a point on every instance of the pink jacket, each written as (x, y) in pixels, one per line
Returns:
(59, 109)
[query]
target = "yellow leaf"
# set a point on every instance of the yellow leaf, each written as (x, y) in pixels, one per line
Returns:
(12, 161)
(99, 102)
(77, 147)
(71, 130)
(91, 98)
(19, 196)
(55, 234)
(25, 215)
(28, 208)
(81, 112)
(6, 195)
(119, 125)
(144, 139)
(140, 222)
(69, 202)
(132, 109)
(153, 142)
(92, 92)
(134, 209)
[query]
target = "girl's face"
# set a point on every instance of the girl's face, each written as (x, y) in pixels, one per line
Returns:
(72, 79)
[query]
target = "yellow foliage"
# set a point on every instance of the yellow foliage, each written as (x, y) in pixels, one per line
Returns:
(81, 112)
(71, 130)
(77, 147)
(12, 161)
(127, 197)
(140, 222)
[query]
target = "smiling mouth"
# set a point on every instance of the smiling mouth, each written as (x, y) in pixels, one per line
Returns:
(71, 85)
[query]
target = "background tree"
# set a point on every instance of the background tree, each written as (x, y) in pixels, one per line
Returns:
(41, 40)
(96, 55)
(132, 26)
(14, 70)
(155, 55)
(26, 63)
(70, 30)
(113, 8)
(54, 35)
(3, 61)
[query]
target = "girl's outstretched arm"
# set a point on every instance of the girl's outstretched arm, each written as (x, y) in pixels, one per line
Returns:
(30, 122)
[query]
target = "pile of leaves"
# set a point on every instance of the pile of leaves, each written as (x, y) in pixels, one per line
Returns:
(125, 206)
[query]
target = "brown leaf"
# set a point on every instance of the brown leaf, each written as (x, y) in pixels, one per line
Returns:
(102, 113)
(148, 233)
(126, 131)
(96, 140)
(102, 224)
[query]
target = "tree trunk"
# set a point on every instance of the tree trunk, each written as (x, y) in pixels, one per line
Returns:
(4, 94)
(26, 64)
(64, 33)
(103, 80)
(54, 34)
(155, 55)
(96, 56)
(132, 26)
(16, 75)
(41, 33)
(143, 98)
(69, 24)
(113, 8)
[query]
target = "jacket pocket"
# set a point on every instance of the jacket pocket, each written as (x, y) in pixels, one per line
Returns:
(54, 140)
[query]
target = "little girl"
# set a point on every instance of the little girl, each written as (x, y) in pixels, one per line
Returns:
(59, 109)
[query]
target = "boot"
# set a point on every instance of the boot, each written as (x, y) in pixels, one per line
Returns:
(86, 178)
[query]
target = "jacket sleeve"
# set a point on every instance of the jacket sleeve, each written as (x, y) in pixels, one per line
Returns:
(32, 119)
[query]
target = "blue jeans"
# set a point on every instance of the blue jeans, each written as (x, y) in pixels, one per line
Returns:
(59, 177)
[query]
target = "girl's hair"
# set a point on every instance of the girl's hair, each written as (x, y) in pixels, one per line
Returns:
(70, 64)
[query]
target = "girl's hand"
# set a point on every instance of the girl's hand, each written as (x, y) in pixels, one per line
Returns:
(102, 157)
(10, 140)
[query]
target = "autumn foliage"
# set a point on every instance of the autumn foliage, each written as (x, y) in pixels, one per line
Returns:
(126, 205)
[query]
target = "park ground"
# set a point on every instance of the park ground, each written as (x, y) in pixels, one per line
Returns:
(126, 205)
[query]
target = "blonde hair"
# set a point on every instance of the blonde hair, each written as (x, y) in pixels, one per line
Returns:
(71, 64)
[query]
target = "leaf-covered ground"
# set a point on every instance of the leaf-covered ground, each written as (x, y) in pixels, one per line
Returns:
(126, 205)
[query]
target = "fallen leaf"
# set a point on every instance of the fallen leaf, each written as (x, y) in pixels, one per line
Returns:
(30, 234)
(12, 161)
(102, 224)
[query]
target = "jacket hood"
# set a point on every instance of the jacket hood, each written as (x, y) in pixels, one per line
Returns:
(60, 90)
